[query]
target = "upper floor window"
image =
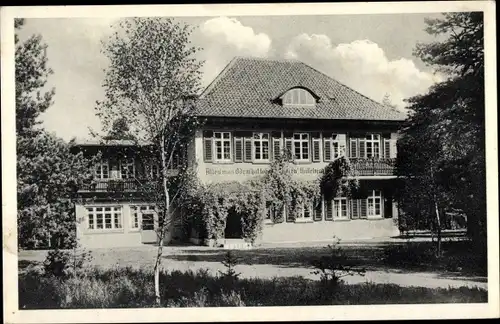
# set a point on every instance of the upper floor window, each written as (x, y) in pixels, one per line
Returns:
(261, 147)
(222, 142)
(102, 169)
(301, 146)
(127, 168)
(373, 146)
(299, 97)
(367, 146)
(334, 146)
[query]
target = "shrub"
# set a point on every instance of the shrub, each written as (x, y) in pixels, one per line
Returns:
(230, 276)
(133, 288)
(410, 254)
(60, 263)
(334, 266)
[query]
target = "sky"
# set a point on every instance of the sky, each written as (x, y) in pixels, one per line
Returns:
(372, 54)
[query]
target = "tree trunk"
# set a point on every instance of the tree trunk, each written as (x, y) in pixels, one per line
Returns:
(162, 228)
(438, 218)
(438, 225)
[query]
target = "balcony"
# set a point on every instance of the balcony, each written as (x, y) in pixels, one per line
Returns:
(373, 167)
(120, 185)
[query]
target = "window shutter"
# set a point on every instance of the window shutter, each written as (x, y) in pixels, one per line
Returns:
(276, 148)
(327, 151)
(207, 149)
(353, 148)
(316, 149)
(354, 208)
(289, 147)
(363, 209)
(318, 209)
(362, 146)
(387, 148)
(238, 149)
(248, 149)
(329, 210)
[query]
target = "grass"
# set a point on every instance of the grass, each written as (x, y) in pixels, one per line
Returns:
(133, 288)
(413, 256)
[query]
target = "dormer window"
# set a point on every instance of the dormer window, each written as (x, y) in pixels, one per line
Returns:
(298, 97)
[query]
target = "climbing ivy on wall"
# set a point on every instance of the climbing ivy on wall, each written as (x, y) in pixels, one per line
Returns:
(277, 189)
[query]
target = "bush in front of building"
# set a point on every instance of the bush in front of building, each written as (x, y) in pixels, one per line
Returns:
(276, 193)
(60, 263)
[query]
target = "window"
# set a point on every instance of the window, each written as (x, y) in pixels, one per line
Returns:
(104, 218)
(127, 168)
(353, 148)
(301, 146)
(334, 147)
(261, 147)
(102, 170)
(154, 170)
(340, 208)
(222, 141)
(318, 209)
(306, 212)
(298, 97)
(137, 212)
(372, 146)
(374, 202)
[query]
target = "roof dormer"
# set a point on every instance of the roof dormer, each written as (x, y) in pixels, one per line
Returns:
(299, 96)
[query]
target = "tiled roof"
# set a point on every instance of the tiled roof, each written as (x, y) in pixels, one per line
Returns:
(247, 87)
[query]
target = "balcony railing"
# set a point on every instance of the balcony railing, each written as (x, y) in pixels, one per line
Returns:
(120, 185)
(372, 167)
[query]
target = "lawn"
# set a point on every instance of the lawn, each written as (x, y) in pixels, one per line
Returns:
(410, 257)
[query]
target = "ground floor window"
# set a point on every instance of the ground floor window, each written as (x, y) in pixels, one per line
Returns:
(340, 210)
(138, 212)
(104, 218)
(305, 212)
(374, 202)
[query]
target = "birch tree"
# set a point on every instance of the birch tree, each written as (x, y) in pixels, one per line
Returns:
(150, 81)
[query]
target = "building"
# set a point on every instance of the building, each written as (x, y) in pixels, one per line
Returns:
(254, 109)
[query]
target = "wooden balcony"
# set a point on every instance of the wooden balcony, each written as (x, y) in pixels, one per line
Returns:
(120, 185)
(373, 167)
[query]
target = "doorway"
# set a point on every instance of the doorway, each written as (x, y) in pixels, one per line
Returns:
(148, 233)
(233, 229)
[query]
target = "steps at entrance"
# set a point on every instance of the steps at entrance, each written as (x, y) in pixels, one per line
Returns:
(236, 244)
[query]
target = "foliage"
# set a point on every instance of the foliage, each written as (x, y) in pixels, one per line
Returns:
(442, 148)
(151, 80)
(32, 71)
(133, 288)
(48, 173)
(60, 263)
(120, 130)
(334, 266)
(230, 276)
(338, 179)
(277, 190)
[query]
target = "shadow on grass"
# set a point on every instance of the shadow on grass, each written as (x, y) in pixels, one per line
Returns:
(457, 260)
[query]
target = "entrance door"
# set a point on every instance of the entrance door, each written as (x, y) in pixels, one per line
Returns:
(148, 234)
(233, 226)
